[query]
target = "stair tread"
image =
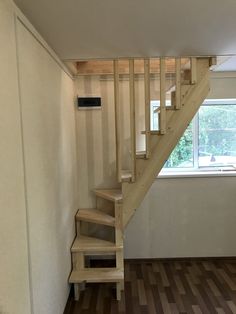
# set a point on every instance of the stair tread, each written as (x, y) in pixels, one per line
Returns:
(114, 195)
(126, 175)
(152, 132)
(97, 275)
(85, 243)
(141, 154)
(95, 216)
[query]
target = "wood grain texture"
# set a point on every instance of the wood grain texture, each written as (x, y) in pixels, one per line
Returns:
(153, 287)
(95, 216)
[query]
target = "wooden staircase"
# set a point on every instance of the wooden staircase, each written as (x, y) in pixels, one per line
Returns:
(107, 213)
(115, 207)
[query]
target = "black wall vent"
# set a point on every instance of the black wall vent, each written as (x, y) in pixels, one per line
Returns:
(89, 102)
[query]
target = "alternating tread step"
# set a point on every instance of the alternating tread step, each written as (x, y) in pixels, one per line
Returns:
(153, 132)
(126, 175)
(90, 244)
(97, 275)
(141, 155)
(114, 195)
(95, 216)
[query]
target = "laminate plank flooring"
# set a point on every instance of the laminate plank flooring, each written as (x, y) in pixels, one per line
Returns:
(166, 286)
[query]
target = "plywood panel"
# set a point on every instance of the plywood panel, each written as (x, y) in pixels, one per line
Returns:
(47, 96)
(14, 275)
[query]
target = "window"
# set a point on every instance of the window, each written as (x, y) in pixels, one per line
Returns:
(209, 142)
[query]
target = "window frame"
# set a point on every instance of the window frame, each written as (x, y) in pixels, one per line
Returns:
(195, 130)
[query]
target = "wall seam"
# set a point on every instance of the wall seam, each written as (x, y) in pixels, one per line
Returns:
(24, 171)
(23, 19)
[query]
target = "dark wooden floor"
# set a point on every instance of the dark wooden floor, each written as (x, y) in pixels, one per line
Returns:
(165, 287)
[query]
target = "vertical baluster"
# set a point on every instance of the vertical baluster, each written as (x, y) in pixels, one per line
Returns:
(193, 62)
(117, 120)
(162, 120)
(177, 83)
(132, 119)
(147, 104)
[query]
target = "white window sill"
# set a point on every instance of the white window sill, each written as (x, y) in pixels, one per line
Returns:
(196, 174)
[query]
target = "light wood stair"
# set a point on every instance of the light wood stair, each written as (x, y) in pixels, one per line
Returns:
(85, 246)
(97, 275)
(95, 216)
(115, 207)
(90, 244)
(114, 195)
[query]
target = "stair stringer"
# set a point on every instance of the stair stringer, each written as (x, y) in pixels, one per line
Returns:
(133, 193)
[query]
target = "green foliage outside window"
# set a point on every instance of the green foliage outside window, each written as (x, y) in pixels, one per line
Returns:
(183, 152)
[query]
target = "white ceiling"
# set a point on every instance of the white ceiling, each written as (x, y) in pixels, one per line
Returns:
(83, 29)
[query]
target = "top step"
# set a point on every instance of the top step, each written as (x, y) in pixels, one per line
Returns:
(141, 155)
(113, 195)
(126, 175)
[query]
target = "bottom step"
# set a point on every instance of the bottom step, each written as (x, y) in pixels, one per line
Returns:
(97, 275)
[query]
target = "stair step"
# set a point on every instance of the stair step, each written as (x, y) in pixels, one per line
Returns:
(141, 155)
(90, 244)
(97, 275)
(153, 132)
(126, 175)
(95, 216)
(114, 195)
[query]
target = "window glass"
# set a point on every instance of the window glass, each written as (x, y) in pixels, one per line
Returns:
(182, 155)
(217, 135)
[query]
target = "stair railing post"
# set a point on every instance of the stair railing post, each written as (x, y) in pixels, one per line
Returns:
(193, 62)
(147, 104)
(117, 121)
(177, 83)
(132, 119)
(162, 96)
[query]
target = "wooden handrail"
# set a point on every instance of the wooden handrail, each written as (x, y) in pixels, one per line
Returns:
(117, 121)
(132, 119)
(177, 83)
(162, 120)
(147, 104)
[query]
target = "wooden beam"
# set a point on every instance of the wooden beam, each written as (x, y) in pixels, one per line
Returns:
(132, 119)
(162, 115)
(105, 67)
(193, 62)
(147, 104)
(117, 121)
(177, 83)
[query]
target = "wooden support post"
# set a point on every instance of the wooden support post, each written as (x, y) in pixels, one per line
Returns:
(132, 119)
(162, 116)
(119, 241)
(193, 70)
(118, 291)
(117, 121)
(177, 83)
(147, 104)
(76, 291)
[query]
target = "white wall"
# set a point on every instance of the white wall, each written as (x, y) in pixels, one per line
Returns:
(184, 217)
(14, 278)
(43, 217)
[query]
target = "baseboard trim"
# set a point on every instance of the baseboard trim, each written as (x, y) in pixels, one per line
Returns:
(169, 259)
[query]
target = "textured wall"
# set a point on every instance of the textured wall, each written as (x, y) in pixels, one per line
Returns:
(184, 217)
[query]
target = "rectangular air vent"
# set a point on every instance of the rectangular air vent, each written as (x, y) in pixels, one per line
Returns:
(89, 102)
